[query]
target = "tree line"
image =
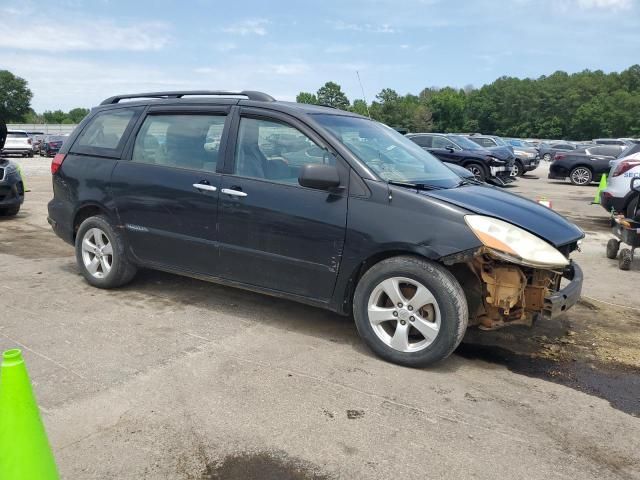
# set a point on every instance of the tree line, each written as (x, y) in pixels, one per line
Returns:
(578, 106)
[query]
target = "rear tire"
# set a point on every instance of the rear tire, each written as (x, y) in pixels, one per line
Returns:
(581, 175)
(477, 170)
(396, 333)
(547, 157)
(624, 262)
(613, 246)
(101, 254)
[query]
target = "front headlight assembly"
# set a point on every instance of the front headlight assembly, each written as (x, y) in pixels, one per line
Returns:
(514, 244)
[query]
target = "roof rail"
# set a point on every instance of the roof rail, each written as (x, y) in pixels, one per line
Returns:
(251, 95)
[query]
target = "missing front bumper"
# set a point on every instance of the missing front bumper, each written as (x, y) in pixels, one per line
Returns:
(559, 302)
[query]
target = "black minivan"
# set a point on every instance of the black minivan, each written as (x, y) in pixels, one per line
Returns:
(310, 203)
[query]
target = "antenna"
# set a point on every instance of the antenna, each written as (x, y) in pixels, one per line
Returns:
(366, 104)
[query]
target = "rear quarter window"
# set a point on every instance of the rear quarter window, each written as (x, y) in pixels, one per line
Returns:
(106, 133)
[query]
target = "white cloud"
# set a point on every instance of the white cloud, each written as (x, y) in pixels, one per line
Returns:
(605, 4)
(248, 27)
(79, 35)
(363, 27)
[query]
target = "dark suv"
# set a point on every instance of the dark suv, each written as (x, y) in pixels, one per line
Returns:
(312, 204)
(459, 150)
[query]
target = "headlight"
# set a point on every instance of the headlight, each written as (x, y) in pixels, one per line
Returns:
(515, 244)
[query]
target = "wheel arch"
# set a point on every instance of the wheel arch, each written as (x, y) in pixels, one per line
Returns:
(345, 302)
(86, 210)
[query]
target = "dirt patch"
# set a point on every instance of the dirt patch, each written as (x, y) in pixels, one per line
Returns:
(261, 466)
(593, 348)
(30, 242)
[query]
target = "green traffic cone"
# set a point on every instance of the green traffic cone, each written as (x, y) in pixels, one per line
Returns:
(601, 186)
(25, 453)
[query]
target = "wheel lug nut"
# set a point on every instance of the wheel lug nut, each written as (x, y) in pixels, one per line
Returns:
(399, 305)
(410, 308)
(411, 319)
(395, 314)
(402, 322)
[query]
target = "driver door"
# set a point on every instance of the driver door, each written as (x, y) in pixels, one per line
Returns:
(274, 233)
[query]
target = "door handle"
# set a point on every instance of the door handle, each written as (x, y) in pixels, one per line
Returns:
(202, 186)
(234, 193)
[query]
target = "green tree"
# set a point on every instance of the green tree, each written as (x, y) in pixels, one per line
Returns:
(306, 97)
(15, 97)
(360, 107)
(331, 94)
(77, 114)
(57, 116)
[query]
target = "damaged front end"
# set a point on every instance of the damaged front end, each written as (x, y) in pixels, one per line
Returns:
(515, 277)
(513, 294)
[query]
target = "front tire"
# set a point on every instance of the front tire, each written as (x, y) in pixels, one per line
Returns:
(101, 254)
(613, 246)
(581, 176)
(547, 157)
(10, 211)
(519, 167)
(410, 311)
(477, 170)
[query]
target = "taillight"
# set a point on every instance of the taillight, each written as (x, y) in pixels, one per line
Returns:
(559, 156)
(56, 163)
(624, 166)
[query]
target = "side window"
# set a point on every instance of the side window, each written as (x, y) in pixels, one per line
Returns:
(423, 140)
(275, 151)
(442, 142)
(105, 132)
(182, 141)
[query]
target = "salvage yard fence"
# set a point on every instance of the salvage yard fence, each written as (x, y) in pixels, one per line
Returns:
(44, 128)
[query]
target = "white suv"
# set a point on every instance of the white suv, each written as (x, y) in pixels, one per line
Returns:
(618, 195)
(18, 141)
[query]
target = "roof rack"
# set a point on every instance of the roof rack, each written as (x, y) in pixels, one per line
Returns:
(251, 95)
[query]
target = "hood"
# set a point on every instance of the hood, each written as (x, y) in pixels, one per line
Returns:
(503, 153)
(524, 213)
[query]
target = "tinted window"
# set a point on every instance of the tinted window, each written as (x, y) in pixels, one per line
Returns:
(275, 151)
(562, 146)
(442, 142)
(465, 143)
(422, 140)
(17, 135)
(182, 141)
(105, 131)
(485, 142)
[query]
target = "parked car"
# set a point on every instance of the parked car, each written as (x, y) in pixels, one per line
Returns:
(548, 150)
(527, 156)
(371, 225)
(459, 150)
(18, 142)
(36, 140)
(583, 165)
(612, 141)
(11, 188)
(618, 197)
(51, 145)
(497, 146)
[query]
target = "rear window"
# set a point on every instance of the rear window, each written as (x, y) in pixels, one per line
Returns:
(106, 132)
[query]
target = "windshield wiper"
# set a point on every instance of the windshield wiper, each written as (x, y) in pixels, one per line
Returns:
(417, 186)
(467, 181)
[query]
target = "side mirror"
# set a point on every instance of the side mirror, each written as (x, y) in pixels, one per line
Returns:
(449, 149)
(319, 176)
(635, 184)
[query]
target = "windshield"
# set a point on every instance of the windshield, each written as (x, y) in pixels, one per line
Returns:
(465, 143)
(392, 156)
(500, 141)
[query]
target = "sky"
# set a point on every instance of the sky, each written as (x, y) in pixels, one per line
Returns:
(75, 53)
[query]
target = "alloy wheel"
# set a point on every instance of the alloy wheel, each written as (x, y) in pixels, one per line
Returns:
(581, 176)
(97, 253)
(404, 314)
